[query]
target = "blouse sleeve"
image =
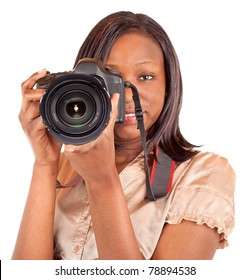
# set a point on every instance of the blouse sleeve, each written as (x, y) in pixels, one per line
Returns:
(204, 193)
(66, 172)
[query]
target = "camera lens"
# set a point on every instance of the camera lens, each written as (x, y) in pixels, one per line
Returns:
(76, 108)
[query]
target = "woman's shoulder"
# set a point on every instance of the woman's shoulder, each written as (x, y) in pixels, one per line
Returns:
(208, 169)
(210, 157)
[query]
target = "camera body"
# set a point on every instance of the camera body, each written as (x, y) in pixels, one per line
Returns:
(76, 106)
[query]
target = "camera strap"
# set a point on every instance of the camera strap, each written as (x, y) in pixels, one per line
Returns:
(159, 183)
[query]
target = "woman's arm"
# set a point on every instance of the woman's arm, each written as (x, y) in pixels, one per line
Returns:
(112, 226)
(187, 241)
(35, 238)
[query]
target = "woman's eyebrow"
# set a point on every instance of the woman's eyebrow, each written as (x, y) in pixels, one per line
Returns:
(137, 64)
(145, 62)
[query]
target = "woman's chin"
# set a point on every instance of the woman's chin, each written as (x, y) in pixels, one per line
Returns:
(126, 131)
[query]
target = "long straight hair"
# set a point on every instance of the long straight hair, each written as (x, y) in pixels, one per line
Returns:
(166, 131)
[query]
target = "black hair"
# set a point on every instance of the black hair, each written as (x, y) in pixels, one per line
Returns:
(166, 131)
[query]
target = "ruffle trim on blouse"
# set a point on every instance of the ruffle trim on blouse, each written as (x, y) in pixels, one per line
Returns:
(222, 229)
(204, 194)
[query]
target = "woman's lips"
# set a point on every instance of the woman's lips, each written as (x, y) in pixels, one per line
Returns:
(130, 117)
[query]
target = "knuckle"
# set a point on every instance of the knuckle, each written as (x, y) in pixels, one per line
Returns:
(23, 84)
(72, 151)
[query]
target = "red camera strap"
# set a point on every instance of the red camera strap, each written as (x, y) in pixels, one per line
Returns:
(162, 173)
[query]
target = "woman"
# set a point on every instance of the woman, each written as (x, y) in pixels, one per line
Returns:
(106, 215)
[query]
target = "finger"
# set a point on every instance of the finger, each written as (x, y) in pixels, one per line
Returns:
(114, 113)
(80, 149)
(30, 118)
(31, 96)
(40, 126)
(31, 81)
(33, 127)
(33, 111)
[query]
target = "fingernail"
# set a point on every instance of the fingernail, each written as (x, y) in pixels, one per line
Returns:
(42, 71)
(69, 148)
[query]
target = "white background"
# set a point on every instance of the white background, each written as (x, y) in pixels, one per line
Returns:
(211, 39)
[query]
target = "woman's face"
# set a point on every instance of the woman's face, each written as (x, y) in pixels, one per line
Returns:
(139, 60)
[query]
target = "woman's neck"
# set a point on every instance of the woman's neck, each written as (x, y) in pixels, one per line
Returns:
(126, 152)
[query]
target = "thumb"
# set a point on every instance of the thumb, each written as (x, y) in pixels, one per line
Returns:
(114, 113)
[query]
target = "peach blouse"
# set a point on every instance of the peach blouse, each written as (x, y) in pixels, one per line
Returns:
(202, 191)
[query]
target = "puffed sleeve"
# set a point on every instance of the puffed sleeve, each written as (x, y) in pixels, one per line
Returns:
(204, 193)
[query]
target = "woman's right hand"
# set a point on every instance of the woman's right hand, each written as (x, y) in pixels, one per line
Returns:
(46, 149)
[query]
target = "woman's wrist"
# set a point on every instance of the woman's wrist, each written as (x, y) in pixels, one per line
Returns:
(102, 180)
(45, 176)
(49, 168)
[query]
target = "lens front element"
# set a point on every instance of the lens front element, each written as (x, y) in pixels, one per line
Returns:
(76, 108)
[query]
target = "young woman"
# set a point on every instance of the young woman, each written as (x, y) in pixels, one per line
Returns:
(106, 214)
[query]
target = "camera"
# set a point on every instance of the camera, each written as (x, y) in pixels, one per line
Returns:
(76, 106)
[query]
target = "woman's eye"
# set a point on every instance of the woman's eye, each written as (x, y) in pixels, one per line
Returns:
(146, 77)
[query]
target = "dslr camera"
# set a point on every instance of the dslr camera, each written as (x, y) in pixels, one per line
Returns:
(76, 106)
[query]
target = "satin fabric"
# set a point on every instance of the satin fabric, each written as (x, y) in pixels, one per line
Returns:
(202, 191)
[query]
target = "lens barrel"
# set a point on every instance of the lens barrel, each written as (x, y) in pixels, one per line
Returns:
(76, 108)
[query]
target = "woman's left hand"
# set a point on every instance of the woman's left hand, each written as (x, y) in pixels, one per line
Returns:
(95, 160)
